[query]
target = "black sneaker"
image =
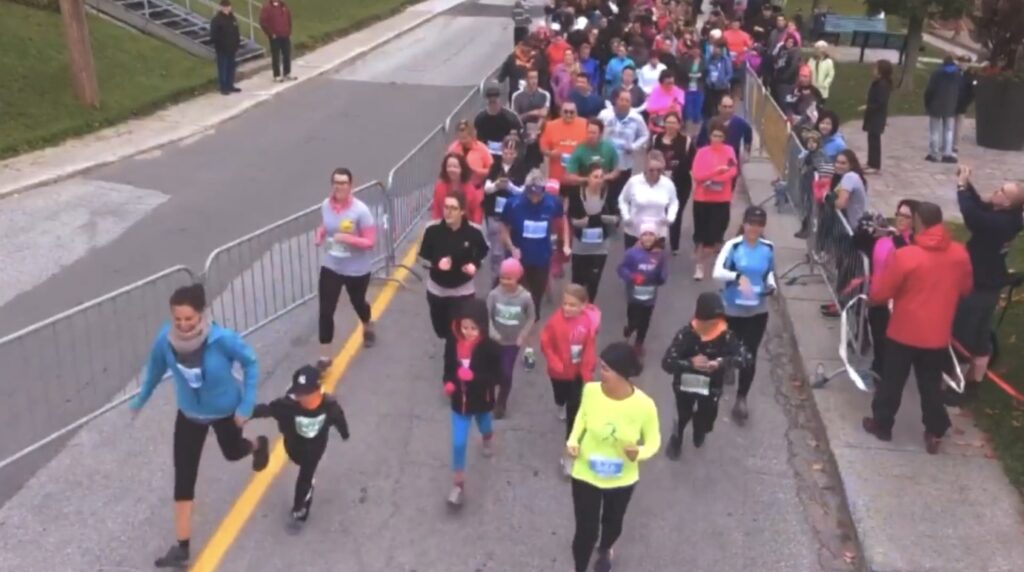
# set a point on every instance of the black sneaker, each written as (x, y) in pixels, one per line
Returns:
(698, 439)
(675, 447)
(869, 425)
(499, 411)
(603, 562)
(950, 159)
(931, 159)
(803, 233)
(369, 336)
(176, 557)
(260, 454)
(236, 89)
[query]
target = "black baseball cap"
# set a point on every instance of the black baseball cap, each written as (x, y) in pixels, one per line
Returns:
(492, 90)
(755, 215)
(305, 380)
(709, 306)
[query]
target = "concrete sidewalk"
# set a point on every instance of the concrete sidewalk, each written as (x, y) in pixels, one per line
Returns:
(954, 511)
(196, 117)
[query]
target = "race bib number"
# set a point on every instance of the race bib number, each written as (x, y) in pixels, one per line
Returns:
(592, 235)
(535, 229)
(193, 376)
(605, 467)
(716, 186)
(309, 427)
(494, 147)
(508, 314)
(338, 249)
(713, 76)
(695, 383)
(499, 204)
(565, 160)
(752, 298)
(576, 353)
(643, 293)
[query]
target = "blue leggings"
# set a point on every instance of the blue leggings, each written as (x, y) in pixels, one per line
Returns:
(460, 435)
(694, 104)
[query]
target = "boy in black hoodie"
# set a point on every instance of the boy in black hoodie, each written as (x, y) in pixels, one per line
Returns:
(304, 416)
(698, 358)
(473, 373)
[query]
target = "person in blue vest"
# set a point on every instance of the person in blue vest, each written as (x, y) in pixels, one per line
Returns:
(200, 355)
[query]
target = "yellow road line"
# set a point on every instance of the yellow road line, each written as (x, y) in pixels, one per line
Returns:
(226, 533)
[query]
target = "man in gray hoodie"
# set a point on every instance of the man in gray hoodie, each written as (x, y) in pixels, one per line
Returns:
(940, 98)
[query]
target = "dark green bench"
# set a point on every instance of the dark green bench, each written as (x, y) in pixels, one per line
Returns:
(864, 31)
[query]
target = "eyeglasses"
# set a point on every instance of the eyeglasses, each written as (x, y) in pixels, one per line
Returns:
(568, 112)
(904, 215)
(452, 208)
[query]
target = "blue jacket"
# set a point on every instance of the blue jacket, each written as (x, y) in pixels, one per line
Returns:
(718, 73)
(220, 394)
(613, 73)
(531, 226)
(832, 145)
(648, 264)
(592, 68)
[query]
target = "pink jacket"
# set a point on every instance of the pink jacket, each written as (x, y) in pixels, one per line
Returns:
(882, 254)
(709, 186)
(661, 101)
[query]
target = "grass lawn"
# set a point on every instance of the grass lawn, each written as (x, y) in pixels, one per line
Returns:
(137, 74)
(996, 413)
(850, 90)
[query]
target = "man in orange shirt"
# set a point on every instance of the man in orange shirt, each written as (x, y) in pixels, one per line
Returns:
(739, 43)
(560, 137)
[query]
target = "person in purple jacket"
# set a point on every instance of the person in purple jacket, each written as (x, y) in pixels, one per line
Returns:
(643, 269)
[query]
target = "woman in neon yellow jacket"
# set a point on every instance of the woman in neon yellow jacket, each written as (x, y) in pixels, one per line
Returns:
(615, 429)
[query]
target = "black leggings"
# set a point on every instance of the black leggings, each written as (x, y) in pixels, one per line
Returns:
(675, 229)
(307, 456)
(875, 150)
(442, 309)
(750, 331)
(587, 270)
(706, 407)
(878, 321)
(330, 287)
(598, 511)
(189, 438)
(568, 393)
(535, 279)
(638, 319)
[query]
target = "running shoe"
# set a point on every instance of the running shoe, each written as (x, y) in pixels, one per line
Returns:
(369, 335)
(561, 413)
(871, 426)
(698, 439)
(488, 448)
(698, 272)
(931, 443)
(455, 496)
(604, 561)
(675, 447)
(739, 411)
(529, 359)
(566, 463)
(260, 454)
(323, 363)
(949, 159)
(176, 557)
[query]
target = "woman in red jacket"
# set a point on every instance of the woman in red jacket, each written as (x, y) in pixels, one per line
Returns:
(567, 341)
(455, 175)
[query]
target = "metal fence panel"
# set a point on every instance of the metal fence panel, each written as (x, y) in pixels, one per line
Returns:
(410, 186)
(467, 109)
(61, 372)
(260, 277)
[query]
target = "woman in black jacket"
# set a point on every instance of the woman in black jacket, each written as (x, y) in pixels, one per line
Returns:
(876, 113)
(679, 150)
(473, 371)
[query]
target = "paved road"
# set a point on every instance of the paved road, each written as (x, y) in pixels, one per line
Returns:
(131, 219)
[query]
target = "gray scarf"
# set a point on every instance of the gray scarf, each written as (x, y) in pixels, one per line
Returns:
(185, 344)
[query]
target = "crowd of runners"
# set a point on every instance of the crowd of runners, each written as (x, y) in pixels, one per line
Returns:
(619, 115)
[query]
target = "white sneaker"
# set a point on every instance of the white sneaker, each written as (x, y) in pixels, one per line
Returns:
(561, 413)
(698, 272)
(566, 467)
(488, 448)
(455, 496)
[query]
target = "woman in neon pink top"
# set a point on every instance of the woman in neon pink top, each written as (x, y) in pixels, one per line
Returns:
(714, 173)
(881, 255)
(664, 99)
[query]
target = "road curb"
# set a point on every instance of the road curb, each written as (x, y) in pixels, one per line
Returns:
(54, 176)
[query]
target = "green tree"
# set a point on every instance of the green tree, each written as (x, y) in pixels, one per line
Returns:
(916, 12)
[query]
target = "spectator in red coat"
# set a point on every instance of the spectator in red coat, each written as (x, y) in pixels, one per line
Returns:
(276, 23)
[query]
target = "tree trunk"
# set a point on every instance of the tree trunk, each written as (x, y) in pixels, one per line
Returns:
(83, 69)
(915, 36)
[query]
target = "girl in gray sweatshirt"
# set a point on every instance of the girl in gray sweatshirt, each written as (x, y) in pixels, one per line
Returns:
(511, 312)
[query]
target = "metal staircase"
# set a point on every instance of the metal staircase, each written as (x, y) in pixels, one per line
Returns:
(179, 24)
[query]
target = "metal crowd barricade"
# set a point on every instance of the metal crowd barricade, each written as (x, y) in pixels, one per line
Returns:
(69, 369)
(266, 274)
(467, 109)
(410, 188)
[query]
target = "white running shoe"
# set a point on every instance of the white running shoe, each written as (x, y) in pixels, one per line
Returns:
(698, 272)
(561, 413)
(566, 467)
(455, 496)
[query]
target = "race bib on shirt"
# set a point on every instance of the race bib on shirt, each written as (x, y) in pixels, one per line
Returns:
(193, 376)
(535, 229)
(592, 235)
(643, 293)
(576, 353)
(605, 467)
(695, 383)
(338, 249)
(494, 147)
(565, 160)
(499, 204)
(508, 314)
(309, 427)
(751, 299)
(716, 186)
(713, 76)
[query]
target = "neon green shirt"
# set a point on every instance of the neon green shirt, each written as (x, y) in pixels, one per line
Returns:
(603, 427)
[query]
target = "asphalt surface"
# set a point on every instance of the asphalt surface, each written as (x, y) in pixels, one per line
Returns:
(85, 237)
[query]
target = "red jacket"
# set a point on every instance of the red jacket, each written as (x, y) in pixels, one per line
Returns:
(556, 53)
(925, 281)
(563, 338)
(276, 20)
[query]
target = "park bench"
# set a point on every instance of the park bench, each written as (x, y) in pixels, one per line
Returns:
(864, 31)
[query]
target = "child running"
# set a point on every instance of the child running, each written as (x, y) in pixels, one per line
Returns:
(567, 343)
(511, 312)
(700, 355)
(474, 373)
(643, 268)
(304, 416)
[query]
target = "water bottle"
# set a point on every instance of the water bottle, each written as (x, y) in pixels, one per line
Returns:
(529, 360)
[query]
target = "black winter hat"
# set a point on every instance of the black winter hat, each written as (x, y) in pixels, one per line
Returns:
(709, 306)
(305, 380)
(621, 358)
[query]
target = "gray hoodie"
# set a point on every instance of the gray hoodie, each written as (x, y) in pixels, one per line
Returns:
(510, 314)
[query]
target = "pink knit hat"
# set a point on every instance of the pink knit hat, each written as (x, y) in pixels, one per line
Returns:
(511, 268)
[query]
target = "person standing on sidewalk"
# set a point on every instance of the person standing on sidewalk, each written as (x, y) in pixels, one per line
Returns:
(512, 316)
(200, 356)
(226, 39)
(940, 99)
(965, 98)
(900, 235)
(925, 282)
(876, 113)
(276, 23)
(994, 223)
(746, 268)
(616, 428)
(349, 232)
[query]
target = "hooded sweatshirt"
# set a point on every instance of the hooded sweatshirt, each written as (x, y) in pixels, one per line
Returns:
(568, 345)
(925, 281)
(940, 97)
(304, 428)
(510, 314)
(210, 391)
(720, 343)
(643, 271)
(474, 393)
